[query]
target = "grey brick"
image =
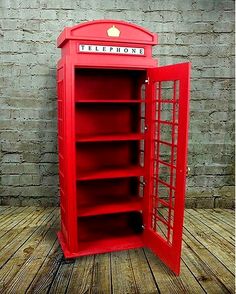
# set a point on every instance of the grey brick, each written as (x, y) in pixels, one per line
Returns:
(199, 202)
(192, 17)
(224, 202)
(10, 180)
(50, 180)
(204, 5)
(48, 14)
(223, 27)
(6, 13)
(5, 113)
(14, 157)
(49, 157)
(59, 4)
(123, 4)
(162, 5)
(30, 157)
(212, 16)
(29, 180)
(224, 5)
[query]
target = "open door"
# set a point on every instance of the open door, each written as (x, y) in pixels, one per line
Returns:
(167, 122)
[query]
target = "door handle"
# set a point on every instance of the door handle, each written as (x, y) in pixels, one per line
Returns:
(187, 170)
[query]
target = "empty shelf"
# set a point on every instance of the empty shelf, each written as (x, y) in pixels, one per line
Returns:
(110, 244)
(125, 172)
(132, 204)
(109, 137)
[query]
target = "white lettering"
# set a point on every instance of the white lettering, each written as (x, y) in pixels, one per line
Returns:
(111, 49)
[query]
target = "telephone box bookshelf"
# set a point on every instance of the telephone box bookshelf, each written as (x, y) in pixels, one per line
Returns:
(120, 163)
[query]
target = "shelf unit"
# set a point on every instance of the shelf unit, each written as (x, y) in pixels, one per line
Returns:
(108, 136)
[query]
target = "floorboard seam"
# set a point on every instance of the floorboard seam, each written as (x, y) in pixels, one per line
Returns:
(207, 249)
(158, 290)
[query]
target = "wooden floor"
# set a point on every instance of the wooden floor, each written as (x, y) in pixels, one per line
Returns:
(31, 260)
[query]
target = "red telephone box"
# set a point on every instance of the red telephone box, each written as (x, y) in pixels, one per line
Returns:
(122, 134)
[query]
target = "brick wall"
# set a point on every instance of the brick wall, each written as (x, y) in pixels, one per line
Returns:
(199, 31)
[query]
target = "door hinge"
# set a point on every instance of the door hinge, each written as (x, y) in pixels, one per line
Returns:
(147, 80)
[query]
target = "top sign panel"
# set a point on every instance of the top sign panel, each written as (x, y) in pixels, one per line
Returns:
(108, 31)
(108, 43)
(111, 49)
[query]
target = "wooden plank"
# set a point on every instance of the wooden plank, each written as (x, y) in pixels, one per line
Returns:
(5, 210)
(44, 277)
(62, 278)
(219, 247)
(202, 273)
(29, 269)
(7, 215)
(13, 265)
(10, 214)
(145, 282)
(212, 225)
(34, 261)
(168, 282)
(19, 236)
(227, 210)
(224, 216)
(16, 220)
(101, 277)
(121, 266)
(208, 267)
(82, 274)
(217, 219)
(17, 216)
(2, 208)
(9, 238)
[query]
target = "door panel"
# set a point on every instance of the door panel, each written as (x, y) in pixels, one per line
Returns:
(168, 110)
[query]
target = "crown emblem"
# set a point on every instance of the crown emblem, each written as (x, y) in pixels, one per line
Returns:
(113, 32)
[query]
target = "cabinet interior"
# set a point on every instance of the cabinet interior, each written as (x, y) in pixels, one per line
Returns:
(110, 140)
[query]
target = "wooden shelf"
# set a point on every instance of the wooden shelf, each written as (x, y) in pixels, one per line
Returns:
(132, 204)
(110, 244)
(110, 101)
(117, 231)
(110, 137)
(131, 171)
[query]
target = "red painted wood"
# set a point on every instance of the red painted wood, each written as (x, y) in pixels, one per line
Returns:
(110, 101)
(110, 137)
(130, 204)
(102, 246)
(107, 146)
(97, 30)
(129, 171)
(168, 248)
